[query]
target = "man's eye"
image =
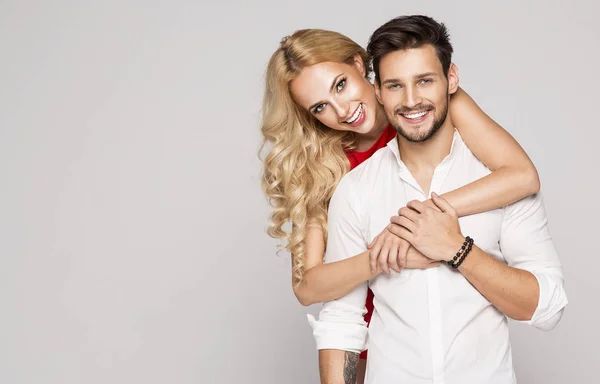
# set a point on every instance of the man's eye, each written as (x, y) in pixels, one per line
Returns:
(394, 86)
(425, 81)
(341, 85)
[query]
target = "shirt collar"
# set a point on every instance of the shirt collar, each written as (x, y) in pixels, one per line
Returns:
(457, 142)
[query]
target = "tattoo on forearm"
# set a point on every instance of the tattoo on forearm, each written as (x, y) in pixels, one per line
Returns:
(350, 363)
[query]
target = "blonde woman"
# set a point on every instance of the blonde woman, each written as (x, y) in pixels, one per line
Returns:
(320, 119)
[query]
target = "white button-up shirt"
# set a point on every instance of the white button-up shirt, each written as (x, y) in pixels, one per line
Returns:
(433, 326)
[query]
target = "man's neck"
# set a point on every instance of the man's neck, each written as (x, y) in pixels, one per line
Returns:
(428, 154)
(421, 159)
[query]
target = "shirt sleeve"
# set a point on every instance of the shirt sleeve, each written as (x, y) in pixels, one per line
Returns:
(341, 324)
(526, 244)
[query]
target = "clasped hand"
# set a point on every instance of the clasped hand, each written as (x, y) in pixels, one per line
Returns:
(422, 235)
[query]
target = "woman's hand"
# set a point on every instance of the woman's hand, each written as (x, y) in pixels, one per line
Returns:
(390, 251)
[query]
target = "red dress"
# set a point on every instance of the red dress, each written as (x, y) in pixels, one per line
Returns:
(357, 158)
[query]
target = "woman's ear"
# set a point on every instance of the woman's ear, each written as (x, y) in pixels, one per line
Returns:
(360, 65)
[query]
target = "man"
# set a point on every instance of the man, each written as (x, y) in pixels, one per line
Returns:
(447, 324)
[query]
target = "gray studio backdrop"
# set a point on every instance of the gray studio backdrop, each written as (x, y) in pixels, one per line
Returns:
(132, 245)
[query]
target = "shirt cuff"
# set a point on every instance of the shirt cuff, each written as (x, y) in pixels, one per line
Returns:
(341, 327)
(551, 303)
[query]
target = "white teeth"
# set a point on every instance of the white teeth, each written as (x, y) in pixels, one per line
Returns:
(416, 115)
(355, 115)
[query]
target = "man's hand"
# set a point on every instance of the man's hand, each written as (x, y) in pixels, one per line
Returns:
(390, 251)
(435, 234)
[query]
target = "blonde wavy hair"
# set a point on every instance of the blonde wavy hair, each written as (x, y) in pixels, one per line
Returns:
(304, 160)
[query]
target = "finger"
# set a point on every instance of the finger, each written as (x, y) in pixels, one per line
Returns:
(402, 232)
(410, 213)
(405, 222)
(442, 203)
(393, 258)
(372, 242)
(417, 205)
(382, 260)
(432, 205)
(373, 255)
(416, 259)
(403, 254)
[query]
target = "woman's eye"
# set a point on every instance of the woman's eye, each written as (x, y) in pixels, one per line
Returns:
(319, 108)
(341, 85)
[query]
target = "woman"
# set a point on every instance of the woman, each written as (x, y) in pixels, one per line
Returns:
(314, 138)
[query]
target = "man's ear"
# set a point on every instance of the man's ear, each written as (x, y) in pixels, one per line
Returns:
(360, 65)
(378, 92)
(452, 79)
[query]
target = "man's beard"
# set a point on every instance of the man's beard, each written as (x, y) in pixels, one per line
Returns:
(419, 137)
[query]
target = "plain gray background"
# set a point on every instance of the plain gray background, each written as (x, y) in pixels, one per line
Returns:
(132, 244)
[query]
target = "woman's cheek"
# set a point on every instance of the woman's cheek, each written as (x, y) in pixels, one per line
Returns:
(329, 120)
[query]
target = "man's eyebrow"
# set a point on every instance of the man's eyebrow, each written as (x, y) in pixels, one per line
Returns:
(416, 77)
(389, 81)
(426, 74)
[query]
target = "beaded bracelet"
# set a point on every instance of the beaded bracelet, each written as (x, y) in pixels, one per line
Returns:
(462, 253)
(467, 251)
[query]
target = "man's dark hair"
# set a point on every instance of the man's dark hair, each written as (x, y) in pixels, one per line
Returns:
(406, 32)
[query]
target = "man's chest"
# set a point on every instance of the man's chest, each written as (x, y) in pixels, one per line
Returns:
(411, 293)
(386, 199)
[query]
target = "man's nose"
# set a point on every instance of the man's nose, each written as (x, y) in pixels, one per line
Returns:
(412, 97)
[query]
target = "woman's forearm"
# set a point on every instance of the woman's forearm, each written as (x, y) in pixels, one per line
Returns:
(513, 176)
(326, 282)
(502, 187)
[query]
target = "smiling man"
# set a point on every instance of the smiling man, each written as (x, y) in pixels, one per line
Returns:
(446, 324)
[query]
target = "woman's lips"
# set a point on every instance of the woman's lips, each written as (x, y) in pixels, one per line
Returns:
(362, 114)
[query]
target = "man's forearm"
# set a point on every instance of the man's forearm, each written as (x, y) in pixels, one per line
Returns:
(337, 367)
(515, 292)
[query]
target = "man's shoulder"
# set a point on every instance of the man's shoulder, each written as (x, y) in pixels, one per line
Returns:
(357, 181)
(528, 206)
(369, 167)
